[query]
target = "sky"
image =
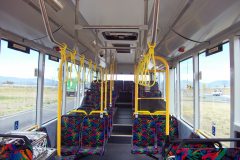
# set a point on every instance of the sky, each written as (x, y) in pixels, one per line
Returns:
(213, 68)
(18, 64)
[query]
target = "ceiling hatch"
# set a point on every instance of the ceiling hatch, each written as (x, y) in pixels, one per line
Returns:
(119, 50)
(122, 36)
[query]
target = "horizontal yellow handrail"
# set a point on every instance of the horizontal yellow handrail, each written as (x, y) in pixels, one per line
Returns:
(33, 127)
(79, 111)
(159, 113)
(149, 113)
(143, 112)
(96, 112)
(202, 133)
(157, 70)
(152, 98)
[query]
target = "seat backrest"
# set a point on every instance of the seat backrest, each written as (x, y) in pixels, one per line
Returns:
(144, 131)
(161, 129)
(118, 86)
(154, 87)
(128, 86)
(96, 86)
(71, 129)
(209, 153)
(93, 131)
(170, 151)
(174, 127)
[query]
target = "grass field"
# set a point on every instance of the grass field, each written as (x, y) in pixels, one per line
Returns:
(212, 111)
(15, 99)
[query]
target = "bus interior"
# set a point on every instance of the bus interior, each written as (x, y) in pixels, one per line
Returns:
(119, 79)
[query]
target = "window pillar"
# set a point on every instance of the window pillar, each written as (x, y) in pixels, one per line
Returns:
(235, 86)
(196, 108)
(40, 88)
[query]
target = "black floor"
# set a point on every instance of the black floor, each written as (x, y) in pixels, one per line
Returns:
(123, 114)
(119, 144)
(122, 124)
(115, 151)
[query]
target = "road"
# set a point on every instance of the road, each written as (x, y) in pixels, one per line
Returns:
(211, 98)
(27, 118)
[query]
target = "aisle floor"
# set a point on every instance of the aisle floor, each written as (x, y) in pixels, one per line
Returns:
(115, 151)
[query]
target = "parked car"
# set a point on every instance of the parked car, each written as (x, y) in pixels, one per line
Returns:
(217, 93)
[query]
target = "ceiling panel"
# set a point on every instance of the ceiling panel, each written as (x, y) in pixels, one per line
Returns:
(113, 12)
(125, 58)
(24, 19)
(202, 20)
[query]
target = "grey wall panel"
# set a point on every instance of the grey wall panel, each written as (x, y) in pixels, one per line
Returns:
(52, 132)
(184, 130)
(125, 68)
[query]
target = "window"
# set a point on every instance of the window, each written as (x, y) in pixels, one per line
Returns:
(72, 87)
(161, 83)
(50, 92)
(214, 85)
(18, 88)
(125, 77)
(87, 78)
(186, 90)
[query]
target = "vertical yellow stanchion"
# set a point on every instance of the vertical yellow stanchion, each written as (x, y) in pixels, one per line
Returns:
(136, 89)
(60, 83)
(110, 89)
(101, 75)
(116, 71)
(105, 101)
(167, 99)
(167, 91)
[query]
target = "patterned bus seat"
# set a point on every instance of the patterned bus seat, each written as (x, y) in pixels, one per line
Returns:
(208, 154)
(93, 136)
(71, 134)
(160, 121)
(144, 135)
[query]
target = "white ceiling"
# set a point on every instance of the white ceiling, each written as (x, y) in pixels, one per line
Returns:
(201, 21)
(114, 12)
(25, 20)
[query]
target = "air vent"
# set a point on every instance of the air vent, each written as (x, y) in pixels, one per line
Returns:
(122, 50)
(123, 36)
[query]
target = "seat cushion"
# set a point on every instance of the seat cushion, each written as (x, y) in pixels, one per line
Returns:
(208, 153)
(69, 150)
(144, 150)
(91, 150)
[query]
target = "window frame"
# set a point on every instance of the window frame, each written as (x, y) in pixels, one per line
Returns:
(180, 96)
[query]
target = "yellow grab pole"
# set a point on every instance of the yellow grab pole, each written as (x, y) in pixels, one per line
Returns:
(101, 75)
(136, 89)
(167, 91)
(110, 89)
(105, 101)
(116, 71)
(60, 83)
